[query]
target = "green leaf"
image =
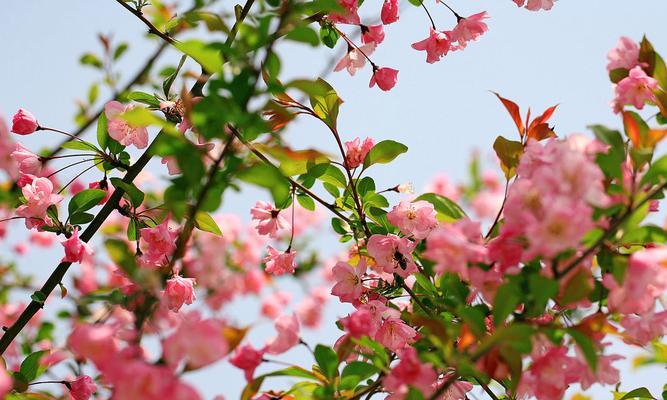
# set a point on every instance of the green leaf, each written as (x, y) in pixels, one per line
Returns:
(102, 131)
(303, 34)
(639, 393)
(384, 152)
(120, 50)
(85, 200)
(657, 173)
(446, 208)
(541, 289)
(329, 35)
(509, 152)
(132, 230)
(166, 85)
(79, 144)
(81, 218)
(355, 372)
(91, 60)
(587, 347)
(306, 202)
(507, 298)
(327, 360)
(208, 57)
(204, 222)
(270, 178)
(30, 366)
(135, 195)
(144, 98)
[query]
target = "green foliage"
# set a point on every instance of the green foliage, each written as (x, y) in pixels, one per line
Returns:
(384, 152)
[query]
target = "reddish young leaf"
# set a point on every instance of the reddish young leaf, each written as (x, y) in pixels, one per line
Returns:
(514, 112)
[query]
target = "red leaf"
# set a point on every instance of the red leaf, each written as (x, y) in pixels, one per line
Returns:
(514, 112)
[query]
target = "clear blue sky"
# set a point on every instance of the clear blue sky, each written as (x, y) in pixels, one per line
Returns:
(441, 111)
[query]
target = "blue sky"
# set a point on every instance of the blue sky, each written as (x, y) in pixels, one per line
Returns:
(440, 111)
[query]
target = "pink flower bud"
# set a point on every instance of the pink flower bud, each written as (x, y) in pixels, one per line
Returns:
(24, 123)
(384, 77)
(179, 291)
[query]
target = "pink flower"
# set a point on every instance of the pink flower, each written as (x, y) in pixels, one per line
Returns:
(179, 291)
(279, 263)
(198, 342)
(410, 371)
(392, 254)
(268, 220)
(94, 342)
(372, 34)
(350, 14)
(361, 323)
(121, 130)
(6, 383)
(82, 387)
(436, 45)
(101, 185)
(75, 248)
(248, 359)
(441, 185)
(645, 280)
(453, 246)
(642, 329)
(625, 55)
(288, 335)
(395, 334)
(42, 239)
(349, 285)
(536, 5)
(39, 196)
(389, 13)
(160, 242)
(24, 123)
(385, 78)
(605, 373)
(311, 307)
(636, 89)
(274, 304)
(356, 151)
(469, 29)
(27, 161)
(355, 59)
(415, 219)
(550, 375)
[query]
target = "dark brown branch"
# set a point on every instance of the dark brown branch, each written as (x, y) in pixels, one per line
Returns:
(151, 28)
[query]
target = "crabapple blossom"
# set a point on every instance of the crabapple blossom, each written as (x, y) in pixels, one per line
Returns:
(39, 196)
(436, 45)
(75, 248)
(625, 55)
(409, 371)
(469, 29)
(395, 334)
(160, 242)
(82, 387)
(636, 89)
(199, 342)
(349, 285)
(247, 358)
(372, 34)
(453, 246)
(268, 219)
(121, 130)
(24, 123)
(389, 13)
(355, 58)
(287, 327)
(392, 254)
(384, 77)
(536, 5)
(350, 14)
(279, 263)
(645, 280)
(273, 304)
(28, 162)
(356, 151)
(644, 328)
(416, 219)
(179, 291)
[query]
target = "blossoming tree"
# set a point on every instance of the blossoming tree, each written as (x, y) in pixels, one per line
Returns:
(441, 304)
